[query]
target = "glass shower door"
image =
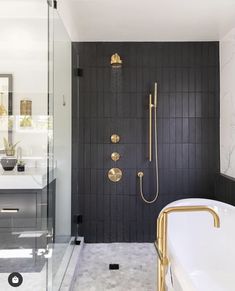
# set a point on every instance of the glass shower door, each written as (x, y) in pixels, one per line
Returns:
(26, 173)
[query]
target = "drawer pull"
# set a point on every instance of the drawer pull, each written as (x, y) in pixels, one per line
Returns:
(10, 210)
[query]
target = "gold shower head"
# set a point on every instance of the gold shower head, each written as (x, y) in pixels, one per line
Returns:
(116, 61)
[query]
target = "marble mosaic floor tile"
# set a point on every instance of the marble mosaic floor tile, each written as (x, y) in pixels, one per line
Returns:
(137, 271)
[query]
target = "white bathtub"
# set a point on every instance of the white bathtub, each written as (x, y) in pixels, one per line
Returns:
(202, 258)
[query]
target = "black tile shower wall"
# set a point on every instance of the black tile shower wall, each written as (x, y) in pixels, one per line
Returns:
(116, 101)
(225, 189)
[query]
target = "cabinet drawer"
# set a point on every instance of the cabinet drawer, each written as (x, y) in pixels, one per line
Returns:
(18, 210)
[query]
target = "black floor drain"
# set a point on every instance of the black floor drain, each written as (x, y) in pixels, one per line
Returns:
(113, 266)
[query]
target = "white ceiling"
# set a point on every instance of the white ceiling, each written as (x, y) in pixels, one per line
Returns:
(147, 20)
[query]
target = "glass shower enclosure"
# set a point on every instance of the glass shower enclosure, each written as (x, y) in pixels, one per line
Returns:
(35, 137)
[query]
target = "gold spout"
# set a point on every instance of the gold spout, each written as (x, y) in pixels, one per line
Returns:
(161, 244)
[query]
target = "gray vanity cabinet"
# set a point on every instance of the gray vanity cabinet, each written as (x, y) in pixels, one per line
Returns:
(18, 210)
(23, 211)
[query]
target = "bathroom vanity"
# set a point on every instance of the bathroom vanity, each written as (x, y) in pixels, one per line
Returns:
(27, 209)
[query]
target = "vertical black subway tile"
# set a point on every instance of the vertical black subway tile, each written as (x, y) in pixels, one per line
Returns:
(166, 156)
(166, 107)
(192, 155)
(198, 80)
(116, 101)
(147, 84)
(107, 231)
(199, 130)
(178, 105)
(198, 104)
(172, 73)
(172, 105)
(87, 157)
(185, 182)
(160, 103)
(165, 85)
(179, 79)
(120, 231)
(139, 79)
(172, 130)
(192, 105)
(199, 156)
(192, 130)
(99, 231)
(185, 79)
(185, 101)
(206, 74)
(166, 130)
(192, 80)
(185, 129)
(141, 105)
(179, 156)
(172, 156)
(211, 105)
(179, 130)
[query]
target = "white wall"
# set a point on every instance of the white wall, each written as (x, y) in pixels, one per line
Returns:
(227, 104)
(23, 53)
(62, 127)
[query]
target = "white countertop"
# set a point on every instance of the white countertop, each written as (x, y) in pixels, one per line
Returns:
(32, 178)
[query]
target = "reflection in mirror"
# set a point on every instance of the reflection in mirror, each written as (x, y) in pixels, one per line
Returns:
(5, 109)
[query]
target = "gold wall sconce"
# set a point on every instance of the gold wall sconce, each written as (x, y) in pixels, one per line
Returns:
(115, 138)
(26, 113)
(115, 156)
(115, 174)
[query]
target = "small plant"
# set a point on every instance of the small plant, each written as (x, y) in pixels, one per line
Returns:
(9, 148)
(21, 163)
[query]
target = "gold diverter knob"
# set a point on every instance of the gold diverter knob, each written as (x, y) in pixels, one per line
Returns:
(115, 156)
(115, 174)
(115, 138)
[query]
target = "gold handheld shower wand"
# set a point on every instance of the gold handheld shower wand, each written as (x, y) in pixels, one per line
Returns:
(151, 106)
(141, 174)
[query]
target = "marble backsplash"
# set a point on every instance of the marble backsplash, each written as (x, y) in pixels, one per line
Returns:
(227, 104)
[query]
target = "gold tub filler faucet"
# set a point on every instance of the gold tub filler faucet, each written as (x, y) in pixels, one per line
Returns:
(161, 240)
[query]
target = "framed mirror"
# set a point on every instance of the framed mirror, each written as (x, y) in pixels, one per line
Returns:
(6, 121)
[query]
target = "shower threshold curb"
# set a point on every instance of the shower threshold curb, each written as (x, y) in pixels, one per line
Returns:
(72, 268)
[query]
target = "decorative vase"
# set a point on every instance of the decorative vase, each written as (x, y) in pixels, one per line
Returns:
(8, 163)
(10, 152)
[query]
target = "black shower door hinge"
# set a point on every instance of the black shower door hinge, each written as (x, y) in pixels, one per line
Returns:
(52, 3)
(78, 72)
(78, 219)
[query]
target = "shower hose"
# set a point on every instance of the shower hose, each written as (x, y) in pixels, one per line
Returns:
(156, 165)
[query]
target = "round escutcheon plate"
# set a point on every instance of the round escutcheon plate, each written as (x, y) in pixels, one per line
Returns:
(115, 174)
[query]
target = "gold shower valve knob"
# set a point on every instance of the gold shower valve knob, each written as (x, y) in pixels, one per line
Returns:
(115, 138)
(115, 156)
(140, 174)
(115, 174)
